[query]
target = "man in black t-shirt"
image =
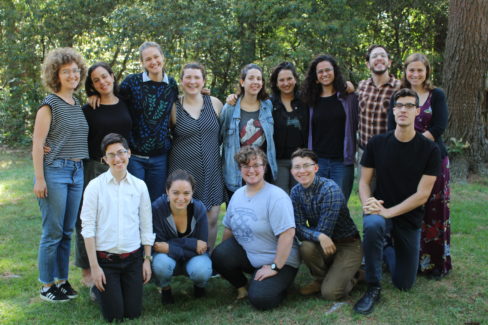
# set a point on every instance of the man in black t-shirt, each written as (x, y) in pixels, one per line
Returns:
(406, 165)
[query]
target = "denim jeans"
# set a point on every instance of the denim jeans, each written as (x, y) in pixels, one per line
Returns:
(198, 269)
(403, 260)
(335, 170)
(152, 170)
(64, 180)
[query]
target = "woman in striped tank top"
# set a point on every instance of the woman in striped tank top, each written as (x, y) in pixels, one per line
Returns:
(61, 126)
(196, 147)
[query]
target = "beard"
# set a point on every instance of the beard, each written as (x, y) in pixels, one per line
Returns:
(379, 72)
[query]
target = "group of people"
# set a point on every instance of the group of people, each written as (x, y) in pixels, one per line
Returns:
(141, 172)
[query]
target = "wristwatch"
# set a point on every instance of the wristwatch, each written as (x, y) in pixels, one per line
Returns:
(148, 257)
(275, 267)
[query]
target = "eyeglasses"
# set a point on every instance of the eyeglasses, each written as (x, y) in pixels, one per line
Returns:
(304, 167)
(408, 106)
(247, 168)
(379, 55)
(67, 72)
(121, 153)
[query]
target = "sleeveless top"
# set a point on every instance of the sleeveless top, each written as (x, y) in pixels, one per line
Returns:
(68, 132)
(196, 149)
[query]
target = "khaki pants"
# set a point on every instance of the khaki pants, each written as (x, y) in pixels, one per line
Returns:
(337, 271)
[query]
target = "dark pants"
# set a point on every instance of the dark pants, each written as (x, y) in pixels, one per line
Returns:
(123, 291)
(230, 260)
(403, 260)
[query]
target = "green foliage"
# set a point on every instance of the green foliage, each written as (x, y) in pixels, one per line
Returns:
(223, 35)
(457, 146)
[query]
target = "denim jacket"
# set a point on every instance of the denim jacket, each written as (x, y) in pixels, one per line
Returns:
(229, 135)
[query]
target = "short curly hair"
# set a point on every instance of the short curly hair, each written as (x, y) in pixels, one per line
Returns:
(53, 62)
(247, 153)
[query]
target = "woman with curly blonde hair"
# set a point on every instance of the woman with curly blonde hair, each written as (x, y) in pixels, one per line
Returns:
(61, 126)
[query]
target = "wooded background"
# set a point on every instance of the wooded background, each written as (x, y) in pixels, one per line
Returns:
(226, 34)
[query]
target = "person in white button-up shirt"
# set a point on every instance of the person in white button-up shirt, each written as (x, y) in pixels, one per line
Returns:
(116, 221)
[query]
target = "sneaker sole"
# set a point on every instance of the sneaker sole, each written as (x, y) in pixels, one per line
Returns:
(53, 301)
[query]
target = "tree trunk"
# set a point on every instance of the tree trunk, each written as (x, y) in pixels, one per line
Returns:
(465, 68)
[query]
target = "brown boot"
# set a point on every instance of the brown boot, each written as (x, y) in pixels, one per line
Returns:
(311, 288)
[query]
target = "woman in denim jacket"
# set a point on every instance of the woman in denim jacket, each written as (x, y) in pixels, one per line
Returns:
(248, 122)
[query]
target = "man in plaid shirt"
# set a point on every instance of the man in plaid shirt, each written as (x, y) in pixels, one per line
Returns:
(330, 247)
(374, 95)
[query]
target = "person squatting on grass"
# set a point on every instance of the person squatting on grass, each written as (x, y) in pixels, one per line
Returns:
(181, 227)
(406, 165)
(116, 220)
(61, 126)
(258, 236)
(331, 246)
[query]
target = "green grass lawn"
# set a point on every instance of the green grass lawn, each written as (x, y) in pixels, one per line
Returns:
(459, 298)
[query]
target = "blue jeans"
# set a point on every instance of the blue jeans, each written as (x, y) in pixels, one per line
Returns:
(64, 180)
(335, 170)
(152, 170)
(198, 269)
(403, 260)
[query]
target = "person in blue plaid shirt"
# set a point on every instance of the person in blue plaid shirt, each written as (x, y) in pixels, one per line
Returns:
(330, 242)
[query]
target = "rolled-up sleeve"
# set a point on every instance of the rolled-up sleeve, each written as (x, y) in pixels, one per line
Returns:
(89, 209)
(145, 214)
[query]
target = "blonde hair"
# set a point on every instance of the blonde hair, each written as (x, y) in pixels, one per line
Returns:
(53, 62)
(417, 57)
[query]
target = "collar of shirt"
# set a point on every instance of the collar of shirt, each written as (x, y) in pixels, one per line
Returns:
(313, 188)
(391, 82)
(145, 77)
(110, 178)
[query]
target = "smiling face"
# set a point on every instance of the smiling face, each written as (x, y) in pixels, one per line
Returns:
(152, 61)
(253, 82)
(117, 158)
(192, 81)
(286, 82)
(405, 116)
(180, 194)
(379, 62)
(325, 73)
(253, 172)
(103, 81)
(416, 74)
(303, 170)
(69, 76)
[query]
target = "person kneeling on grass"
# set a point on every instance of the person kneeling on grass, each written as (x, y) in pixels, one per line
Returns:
(180, 224)
(331, 246)
(116, 219)
(406, 165)
(258, 237)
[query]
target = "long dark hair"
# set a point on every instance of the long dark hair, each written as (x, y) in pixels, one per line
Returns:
(312, 89)
(180, 175)
(89, 88)
(262, 95)
(273, 80)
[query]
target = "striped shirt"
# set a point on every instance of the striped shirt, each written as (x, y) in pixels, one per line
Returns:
(68, 132)
(373, 107)
(321, 209)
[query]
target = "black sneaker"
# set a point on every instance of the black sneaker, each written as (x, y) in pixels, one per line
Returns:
(68, 290)
(53, 294)
(198, 292)
(167, 297)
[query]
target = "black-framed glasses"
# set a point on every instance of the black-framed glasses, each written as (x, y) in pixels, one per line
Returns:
(255, 166)
(408, 106)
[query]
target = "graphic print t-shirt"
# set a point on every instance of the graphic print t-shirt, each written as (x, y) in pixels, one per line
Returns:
(251, 131)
